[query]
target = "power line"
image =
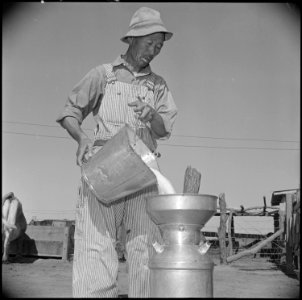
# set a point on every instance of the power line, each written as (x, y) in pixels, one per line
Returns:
(235, 139)
(176, 135)
(49, 210)
(170, 145)
(223, 147)
(37, 124)
(37, 135)
(27, 123)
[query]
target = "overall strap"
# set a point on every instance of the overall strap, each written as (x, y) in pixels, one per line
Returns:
(110, 76)
(149, 83)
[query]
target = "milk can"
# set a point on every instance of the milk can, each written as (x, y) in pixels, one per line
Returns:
(180, 267)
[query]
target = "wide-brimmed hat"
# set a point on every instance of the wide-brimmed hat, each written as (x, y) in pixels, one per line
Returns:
(8, 195)
(146, 21)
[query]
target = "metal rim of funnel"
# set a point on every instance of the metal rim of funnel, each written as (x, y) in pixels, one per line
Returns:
(182, 208)
(183, 201)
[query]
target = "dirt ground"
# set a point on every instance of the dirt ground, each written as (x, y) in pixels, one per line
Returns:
(245, 278)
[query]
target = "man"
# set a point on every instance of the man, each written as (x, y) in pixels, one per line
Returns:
(123, 92)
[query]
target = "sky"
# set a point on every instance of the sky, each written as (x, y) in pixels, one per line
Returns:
(232, 68)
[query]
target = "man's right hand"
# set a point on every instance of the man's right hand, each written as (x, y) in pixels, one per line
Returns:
(84, 148)
(73, 127)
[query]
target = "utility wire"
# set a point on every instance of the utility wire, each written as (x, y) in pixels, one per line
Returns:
(49, 210)
(170, 145)
(37, 124)
(27, 123)
(223, 147)
(235, 139)
(37, 135)
(179, 135)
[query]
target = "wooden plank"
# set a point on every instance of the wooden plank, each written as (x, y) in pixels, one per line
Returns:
(59, 223)
(38, 248)
(46, 233)
(49, 248)
(256, 248)
(45, 241)
(192, 185)
(191, 181)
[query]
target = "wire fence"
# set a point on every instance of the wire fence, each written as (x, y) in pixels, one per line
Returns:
(252, 237)
(248, 231)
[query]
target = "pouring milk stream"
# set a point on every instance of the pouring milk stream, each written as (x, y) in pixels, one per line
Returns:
(163, 184)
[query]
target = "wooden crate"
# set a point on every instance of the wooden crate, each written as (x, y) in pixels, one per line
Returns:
(52, 241)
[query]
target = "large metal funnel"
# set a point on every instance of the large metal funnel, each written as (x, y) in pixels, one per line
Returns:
(182, 208)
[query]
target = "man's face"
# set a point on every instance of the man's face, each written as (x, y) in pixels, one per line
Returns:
(143, 49)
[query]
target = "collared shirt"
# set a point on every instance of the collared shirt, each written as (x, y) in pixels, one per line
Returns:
(86, 96)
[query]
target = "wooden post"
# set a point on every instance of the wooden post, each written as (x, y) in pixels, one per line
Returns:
(276, 221)
(289, 246)
(65, 243)
(282, 214)
(230, 235)
(264, 207)
(222, 229)
(233, 232)
(282, 225)
(192, 181)
(296, 230)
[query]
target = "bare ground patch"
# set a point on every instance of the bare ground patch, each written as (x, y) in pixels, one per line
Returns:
(245, 278)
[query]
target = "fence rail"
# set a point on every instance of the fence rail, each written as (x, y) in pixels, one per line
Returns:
(281, 246)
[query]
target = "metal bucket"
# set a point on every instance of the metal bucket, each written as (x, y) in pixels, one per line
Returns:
(121, 167)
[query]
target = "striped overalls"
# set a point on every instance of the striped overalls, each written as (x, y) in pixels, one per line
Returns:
(95, 265)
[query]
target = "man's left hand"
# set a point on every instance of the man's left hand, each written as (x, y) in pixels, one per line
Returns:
(145, 111)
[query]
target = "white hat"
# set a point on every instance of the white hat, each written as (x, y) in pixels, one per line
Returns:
(146, 21)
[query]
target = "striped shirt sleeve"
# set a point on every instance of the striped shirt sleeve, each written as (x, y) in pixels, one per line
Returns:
(85, 96)
(165, 106)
